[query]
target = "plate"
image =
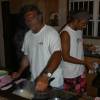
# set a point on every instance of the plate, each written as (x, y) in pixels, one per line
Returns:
(6, 87)
(3, 72)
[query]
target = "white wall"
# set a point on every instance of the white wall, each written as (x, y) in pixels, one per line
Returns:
(62, 13)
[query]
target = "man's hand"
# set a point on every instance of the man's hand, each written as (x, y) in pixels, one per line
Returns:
(89, 64)
(92, 48)
(42, 83)
(15, 75)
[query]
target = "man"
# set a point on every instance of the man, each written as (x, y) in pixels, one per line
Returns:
(42, 50)
(72, 53)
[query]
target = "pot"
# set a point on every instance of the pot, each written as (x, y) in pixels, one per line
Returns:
(55, 98)
(25, 89)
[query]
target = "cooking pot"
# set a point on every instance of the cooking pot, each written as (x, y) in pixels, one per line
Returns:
(26, 90)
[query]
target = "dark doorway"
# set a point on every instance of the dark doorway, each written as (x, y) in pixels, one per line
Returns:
(9, 28)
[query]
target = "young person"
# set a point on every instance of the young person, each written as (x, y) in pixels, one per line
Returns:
(72, 53)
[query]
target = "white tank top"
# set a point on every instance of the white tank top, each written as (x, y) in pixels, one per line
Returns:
(71, 70)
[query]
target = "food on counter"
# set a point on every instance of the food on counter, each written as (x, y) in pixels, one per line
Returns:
(5, 80)
(3, 72)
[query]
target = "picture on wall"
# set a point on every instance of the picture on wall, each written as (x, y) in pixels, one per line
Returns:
(53, 19)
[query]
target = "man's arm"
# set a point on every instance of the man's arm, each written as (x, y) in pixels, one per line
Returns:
(42, 81)
(23, 65)
(53, 62)
(65, 43)
(89, 47)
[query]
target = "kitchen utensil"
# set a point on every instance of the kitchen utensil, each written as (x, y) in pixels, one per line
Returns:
(55, 98)
(24, 89)
(5, 82)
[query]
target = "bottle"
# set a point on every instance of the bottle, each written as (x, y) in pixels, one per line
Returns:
(95, 65)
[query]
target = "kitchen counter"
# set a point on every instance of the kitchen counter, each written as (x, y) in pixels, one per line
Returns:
(10, 96)
(92, 55)
(7, 95)
(20, 84)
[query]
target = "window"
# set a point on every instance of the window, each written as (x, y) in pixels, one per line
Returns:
(93, 7)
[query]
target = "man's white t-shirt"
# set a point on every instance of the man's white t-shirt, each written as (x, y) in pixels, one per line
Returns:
(39, 47)
(71, 70)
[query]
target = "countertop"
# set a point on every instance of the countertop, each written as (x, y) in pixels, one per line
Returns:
(10, 96)
(91, 54)
(69, 95)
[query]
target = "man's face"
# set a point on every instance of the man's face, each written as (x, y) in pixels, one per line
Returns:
(82, 24)
(31, 19)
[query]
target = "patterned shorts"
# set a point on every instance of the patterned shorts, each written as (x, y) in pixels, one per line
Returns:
(77, 85)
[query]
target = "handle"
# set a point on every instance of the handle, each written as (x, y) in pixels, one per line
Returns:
(51, 79)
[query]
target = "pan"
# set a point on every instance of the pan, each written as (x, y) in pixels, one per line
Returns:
(26, 89)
